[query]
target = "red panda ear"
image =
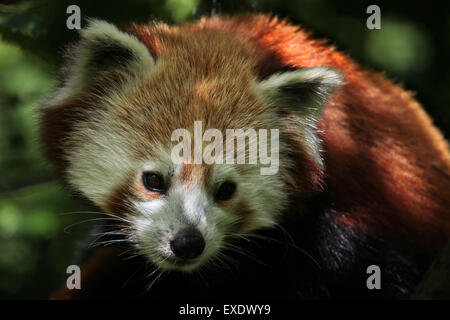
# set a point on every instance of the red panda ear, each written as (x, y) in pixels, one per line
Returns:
(104, 54)
(104, 58)
(303, 91)
(103, 45)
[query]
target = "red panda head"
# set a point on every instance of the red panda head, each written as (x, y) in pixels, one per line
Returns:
(111, 129)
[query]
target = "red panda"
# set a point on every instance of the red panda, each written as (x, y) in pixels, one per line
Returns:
(362, 179)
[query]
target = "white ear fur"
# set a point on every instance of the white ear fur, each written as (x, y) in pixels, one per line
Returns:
(102, 33)
(303, 92)
(97, 36)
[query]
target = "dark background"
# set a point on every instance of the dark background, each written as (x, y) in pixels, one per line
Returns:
(38, 237)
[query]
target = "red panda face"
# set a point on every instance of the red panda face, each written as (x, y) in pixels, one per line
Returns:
(112, 129)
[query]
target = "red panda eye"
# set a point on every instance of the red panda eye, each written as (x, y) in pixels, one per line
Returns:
(153, 181)
(225, 191)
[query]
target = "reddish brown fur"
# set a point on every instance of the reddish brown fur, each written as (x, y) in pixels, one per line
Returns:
(54, 128)
(197, 174)
(131, 189)
(386, 164)
(93, 273)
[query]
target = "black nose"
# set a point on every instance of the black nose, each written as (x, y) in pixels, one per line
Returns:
(188, 243)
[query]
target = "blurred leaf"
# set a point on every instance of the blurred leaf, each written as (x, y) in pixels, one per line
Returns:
(399, 46)
(181, 9)
(10, 218)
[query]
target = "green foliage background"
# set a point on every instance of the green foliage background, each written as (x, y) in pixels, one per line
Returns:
(35, 244)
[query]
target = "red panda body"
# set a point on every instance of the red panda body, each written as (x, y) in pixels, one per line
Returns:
(386, 164)
(383, 176)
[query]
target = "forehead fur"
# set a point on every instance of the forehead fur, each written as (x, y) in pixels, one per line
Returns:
(204, 77)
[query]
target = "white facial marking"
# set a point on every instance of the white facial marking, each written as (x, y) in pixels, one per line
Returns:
(158, 221)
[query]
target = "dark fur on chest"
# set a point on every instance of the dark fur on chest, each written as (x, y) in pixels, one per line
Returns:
(313, 258)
